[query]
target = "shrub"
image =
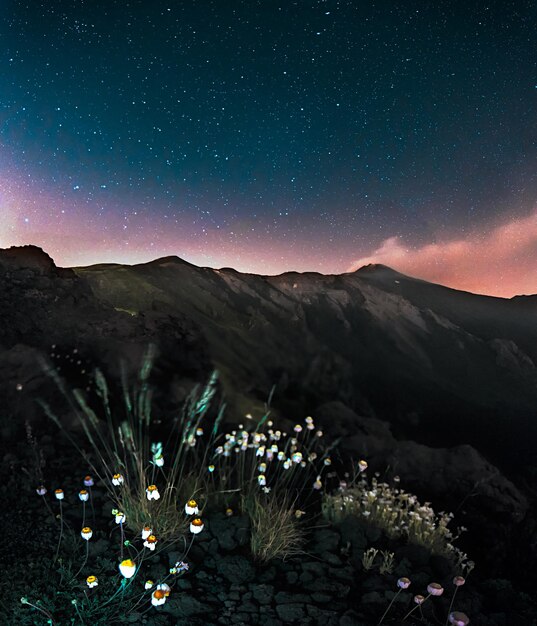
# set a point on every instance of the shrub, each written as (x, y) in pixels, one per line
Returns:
(398, 513)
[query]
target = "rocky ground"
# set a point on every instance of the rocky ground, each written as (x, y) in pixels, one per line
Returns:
(327, 585)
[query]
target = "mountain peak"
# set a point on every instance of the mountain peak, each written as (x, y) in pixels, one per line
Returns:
(30, 257)
(376, 268)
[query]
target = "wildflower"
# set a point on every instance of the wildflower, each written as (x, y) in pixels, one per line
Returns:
(83, 495)
(299, 513)
(458, 619)
(191, 508)
(182, 566)
(127, 568)
(435, 589)
(296, 457)
(120, 517)
(281, 455)
(92, 581)
(262, 480)
(362, 465)
(199, 432)
(165, 588)
(260, 451)
(298, 428)
(458, 581)
(403, 583)
(309, 420)
(41, 491)
(196, 526)
(211, 468)
(262, 467)
(59, 494)
(158, 597)
(319, 433)
(419, 599)
(88, 481)
(317, 484)
(286, 464)
(229, 512)
(148, 584)
(327, 461)
(86, 533)
(150, 542)
(158, 460)
(146, 531)
(266, 489)
(152, 492)
(117, 479)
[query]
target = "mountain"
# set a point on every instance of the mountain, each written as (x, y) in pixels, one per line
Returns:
(441, 366)
(436, 384)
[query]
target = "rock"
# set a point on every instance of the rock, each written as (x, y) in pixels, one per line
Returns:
(290, 612)
(235, 568)
(263, 593)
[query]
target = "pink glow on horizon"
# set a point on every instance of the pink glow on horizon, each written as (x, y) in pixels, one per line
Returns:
(501, 262)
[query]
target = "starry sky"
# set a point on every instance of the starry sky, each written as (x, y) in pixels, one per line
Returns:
(273, 135)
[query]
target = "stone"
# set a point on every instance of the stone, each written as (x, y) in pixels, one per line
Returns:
(236, 569)
(290, 612)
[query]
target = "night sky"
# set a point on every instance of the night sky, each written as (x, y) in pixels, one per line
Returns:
(272, 136)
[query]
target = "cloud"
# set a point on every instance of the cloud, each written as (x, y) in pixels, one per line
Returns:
(500, 262)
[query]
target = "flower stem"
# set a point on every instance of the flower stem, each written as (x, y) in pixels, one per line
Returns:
(61, 532)
(389, 606)
(417, 605)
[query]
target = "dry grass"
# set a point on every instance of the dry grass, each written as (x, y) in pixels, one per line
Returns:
(276, 532)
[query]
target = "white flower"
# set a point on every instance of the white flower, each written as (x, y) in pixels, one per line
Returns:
(148, 584)
(59, 494)
(117, 480)
(435, 589)
(92, 581)
(158, 460)
(152, 492)
(297, 428)
(297, 457)
(86, 533)
(191, 508)
(196, 526)
(403, 583)
(41, 491)
(146, 531)
(457, 618)
(262, 480)
(287, 464)
(88, 481)
(127, 568)
(83, 495)
(199, 432)
(317, 484)
(164, 587)
(158, 597)
(120, 517)
(150, 542)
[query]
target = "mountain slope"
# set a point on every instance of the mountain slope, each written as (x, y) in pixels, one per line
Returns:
(442, 366)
